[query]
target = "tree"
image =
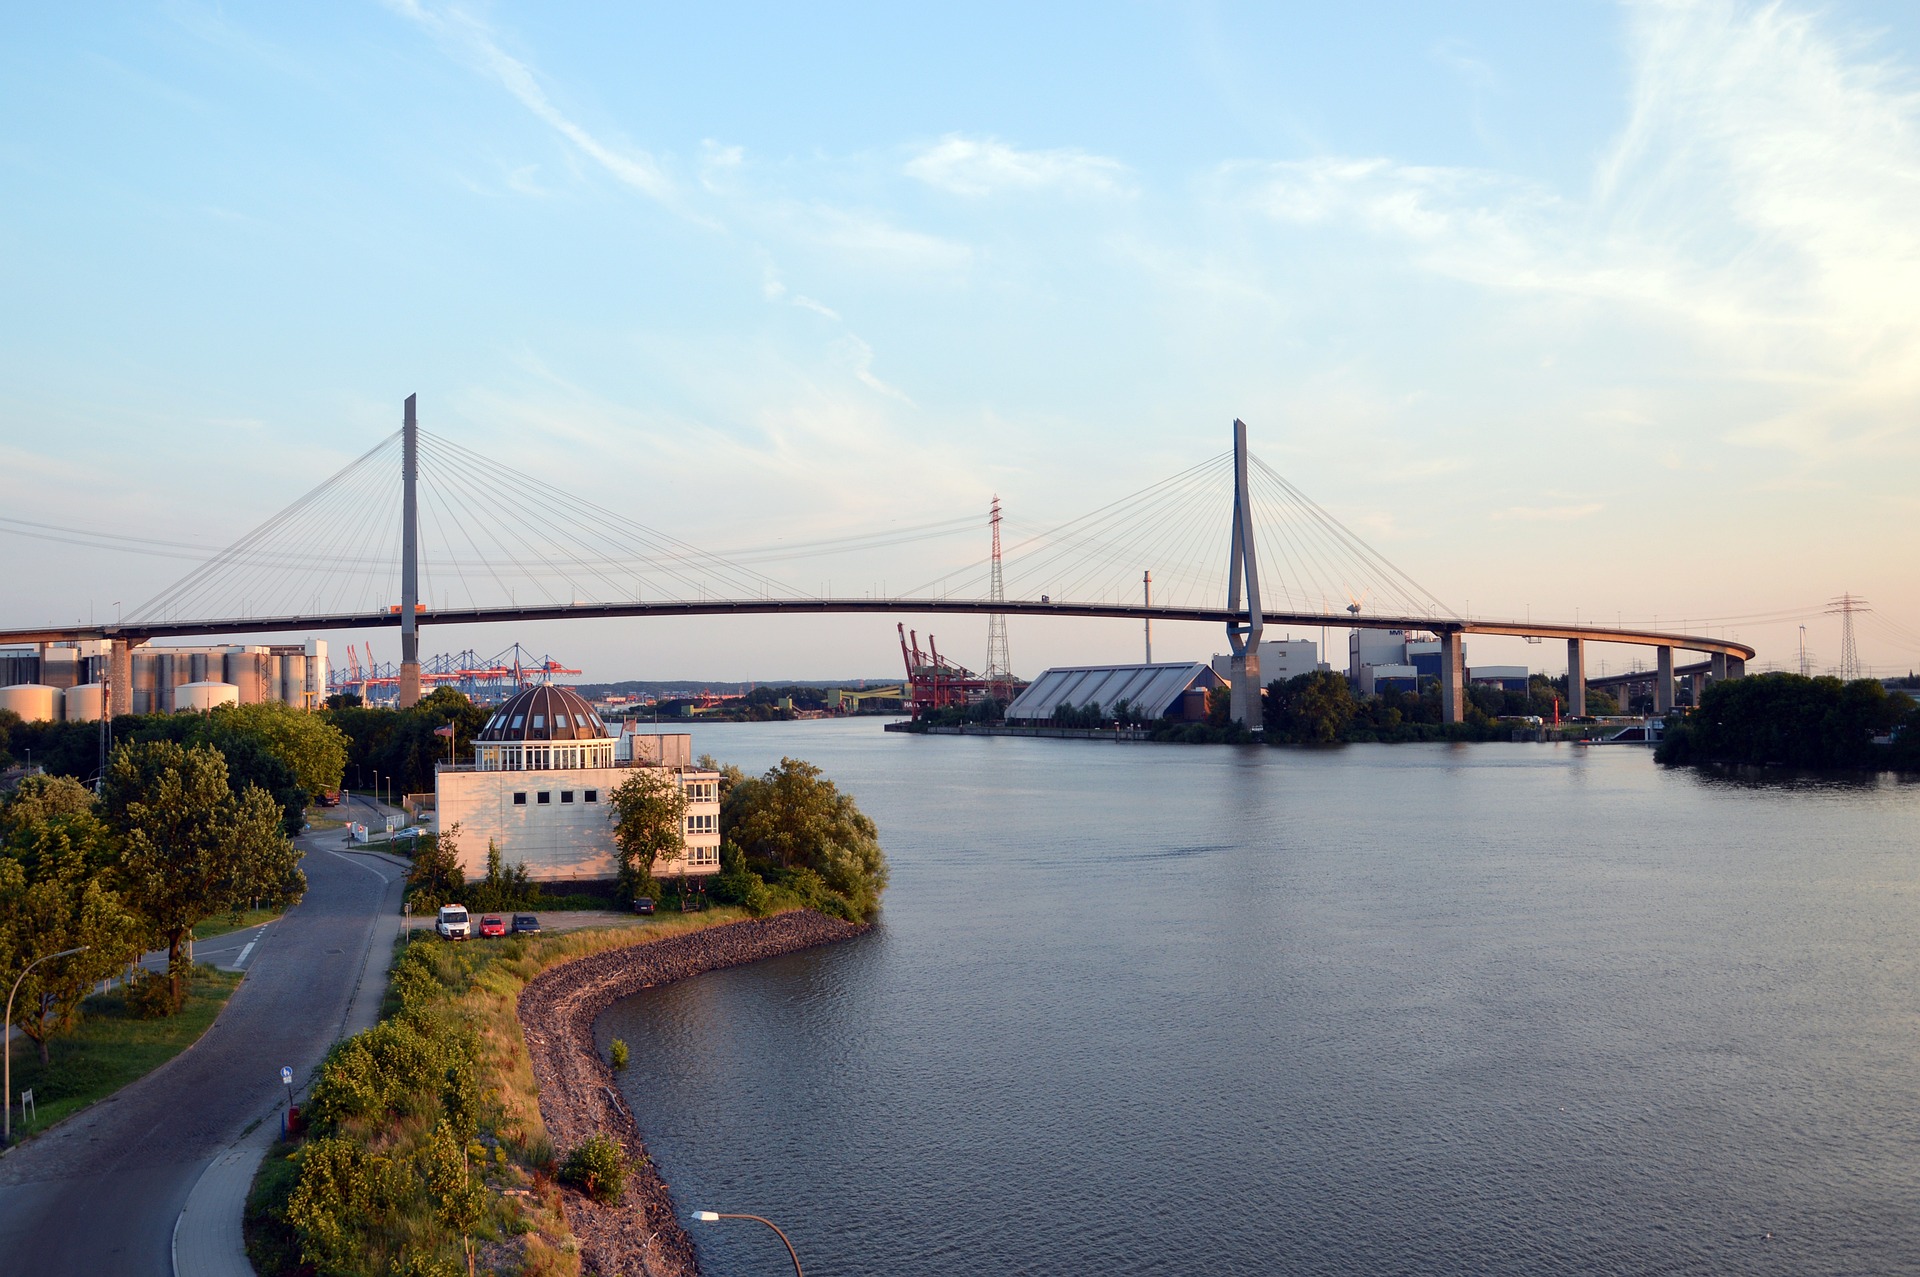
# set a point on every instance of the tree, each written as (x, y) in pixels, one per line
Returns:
(1786, 719)
(436, 877)
(54, 896)
(311, 746)
(795, 821)
(189, 847)
(1309, 709)
(649, 814)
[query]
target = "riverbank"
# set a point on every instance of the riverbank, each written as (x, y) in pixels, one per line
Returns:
(577, 1095)
(513, 1020)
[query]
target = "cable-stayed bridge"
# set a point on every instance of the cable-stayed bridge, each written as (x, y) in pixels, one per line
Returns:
(1228, 541)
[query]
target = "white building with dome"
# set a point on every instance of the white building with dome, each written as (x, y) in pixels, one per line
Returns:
(539, 787)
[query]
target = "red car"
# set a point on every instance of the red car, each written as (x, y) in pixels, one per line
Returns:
(493, 925)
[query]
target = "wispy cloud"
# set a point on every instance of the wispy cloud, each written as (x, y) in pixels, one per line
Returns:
(475, 40)
(1758, 202)
(860, 355)
(985, 166)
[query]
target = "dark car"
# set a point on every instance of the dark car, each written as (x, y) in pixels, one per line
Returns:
(493, 925)
(525, 924)
(643, 905)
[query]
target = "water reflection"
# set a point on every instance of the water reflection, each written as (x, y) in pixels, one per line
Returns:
(1384, 1009)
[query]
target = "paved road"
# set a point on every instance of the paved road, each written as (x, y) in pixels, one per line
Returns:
(100, 1193)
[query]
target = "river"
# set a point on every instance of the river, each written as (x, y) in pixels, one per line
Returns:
(1382, 1009)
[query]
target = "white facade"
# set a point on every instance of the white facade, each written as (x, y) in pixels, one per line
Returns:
(1375, 647)
(1280, 660)
(558, 821)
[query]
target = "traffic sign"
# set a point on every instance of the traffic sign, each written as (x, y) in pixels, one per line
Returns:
(286, 1076)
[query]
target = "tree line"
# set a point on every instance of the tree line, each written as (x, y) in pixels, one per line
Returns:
(1792, 721)
(169, 842)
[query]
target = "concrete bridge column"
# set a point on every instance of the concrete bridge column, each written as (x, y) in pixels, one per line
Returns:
(1719, 666)
(1663, 681)
(1576, 679)
(1736, 667)
(1453, 679)
(1696, 683)
(120, 678)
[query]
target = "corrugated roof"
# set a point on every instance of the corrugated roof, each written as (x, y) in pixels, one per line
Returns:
(1151, 689)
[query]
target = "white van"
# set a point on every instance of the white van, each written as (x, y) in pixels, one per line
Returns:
(453, 924)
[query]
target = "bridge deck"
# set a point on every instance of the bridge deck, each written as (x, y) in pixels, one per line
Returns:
(142, 632)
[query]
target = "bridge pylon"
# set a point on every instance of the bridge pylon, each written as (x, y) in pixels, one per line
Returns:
(1243, 569)
(409, 560)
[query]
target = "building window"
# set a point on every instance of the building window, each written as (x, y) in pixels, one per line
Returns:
(593, 795)
(520, 799)
(519, 719)
(566, 795)
(539, 721)
(545, 797)
(703, 823)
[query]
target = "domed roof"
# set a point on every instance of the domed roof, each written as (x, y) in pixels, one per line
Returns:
(545, 712)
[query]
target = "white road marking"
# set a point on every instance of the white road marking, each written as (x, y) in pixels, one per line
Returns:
(241, 961)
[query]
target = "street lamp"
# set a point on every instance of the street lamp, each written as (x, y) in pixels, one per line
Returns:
(708, 1217)
(7, 1030)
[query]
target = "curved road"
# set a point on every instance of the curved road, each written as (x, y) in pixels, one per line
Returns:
(100, 1193)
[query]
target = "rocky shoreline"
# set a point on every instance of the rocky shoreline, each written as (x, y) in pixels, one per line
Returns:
(578, 1096)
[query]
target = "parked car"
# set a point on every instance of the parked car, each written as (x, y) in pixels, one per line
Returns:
(493, 925)
(453, 923)
(643, 905)
(525, 924)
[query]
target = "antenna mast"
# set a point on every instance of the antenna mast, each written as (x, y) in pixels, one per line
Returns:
(999, 675)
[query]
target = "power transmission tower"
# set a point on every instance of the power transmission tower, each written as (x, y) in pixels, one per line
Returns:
(999, 676)
(1844, 607)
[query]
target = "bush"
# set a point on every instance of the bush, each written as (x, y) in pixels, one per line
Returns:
(597, 1168)
(619, 1053)
(150, 997)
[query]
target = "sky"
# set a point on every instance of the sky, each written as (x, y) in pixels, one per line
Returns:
(1579, 310)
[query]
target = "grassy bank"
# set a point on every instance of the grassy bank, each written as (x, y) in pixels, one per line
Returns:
(111, 1048)
(426, 1146)
(221, 925)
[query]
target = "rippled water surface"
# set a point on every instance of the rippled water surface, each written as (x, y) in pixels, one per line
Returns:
(1388, 1009)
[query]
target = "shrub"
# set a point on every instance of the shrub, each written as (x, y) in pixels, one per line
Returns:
(619, 1053)
(150, 997)
(597, 1168)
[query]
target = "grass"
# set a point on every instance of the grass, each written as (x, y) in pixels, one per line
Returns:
(221, 924)
(476, 988)
(111, 1049)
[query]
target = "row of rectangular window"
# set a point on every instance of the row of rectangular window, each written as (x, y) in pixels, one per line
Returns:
(704, 823)
(566, 796)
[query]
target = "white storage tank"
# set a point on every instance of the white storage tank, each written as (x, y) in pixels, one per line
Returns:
(85, 702)
(33, 702)
(202, 697)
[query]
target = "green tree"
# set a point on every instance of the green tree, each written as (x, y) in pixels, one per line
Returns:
(649, 814)
(189, 846)
(796, 822)
(1787, 720)
(1309, 709)
(311, 746)
(54, 895)
(436, 877)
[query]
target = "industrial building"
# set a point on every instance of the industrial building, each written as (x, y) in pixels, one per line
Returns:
(1280, 660)
(1510, 678)
(540, 786)
(1176, 690)
(163, 679)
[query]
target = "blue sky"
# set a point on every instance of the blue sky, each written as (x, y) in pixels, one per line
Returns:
(1565, 307)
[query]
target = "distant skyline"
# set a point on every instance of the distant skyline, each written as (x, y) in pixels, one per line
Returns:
(1584, 309)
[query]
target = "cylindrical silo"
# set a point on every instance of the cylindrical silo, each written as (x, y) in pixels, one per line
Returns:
(197, 668)
(247, 670)
(33, 702)
(84, 703)
(163, 681)
(201, 697)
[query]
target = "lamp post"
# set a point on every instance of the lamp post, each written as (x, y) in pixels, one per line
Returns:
(6, 1029)
(709, 1216)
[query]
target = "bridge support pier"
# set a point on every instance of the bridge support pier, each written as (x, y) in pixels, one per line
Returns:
(1243, 569)
(1576, 678)
(1663, 681)
(1453, 678)
(1736, 667)
(1696, 683)
(120, 678)
(1718, 666)
(409, 561)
